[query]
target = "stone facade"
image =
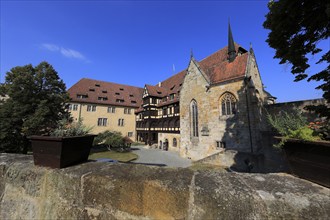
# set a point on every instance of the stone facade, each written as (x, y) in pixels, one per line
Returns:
(239, 131)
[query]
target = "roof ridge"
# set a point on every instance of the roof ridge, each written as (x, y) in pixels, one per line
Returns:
(119, 84)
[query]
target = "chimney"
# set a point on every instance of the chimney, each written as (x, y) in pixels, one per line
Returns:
(160, 84)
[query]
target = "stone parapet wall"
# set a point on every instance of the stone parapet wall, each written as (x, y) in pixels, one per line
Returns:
(126, 191)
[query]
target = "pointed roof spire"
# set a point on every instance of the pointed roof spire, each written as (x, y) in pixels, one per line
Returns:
(231, 45)
(191, 53)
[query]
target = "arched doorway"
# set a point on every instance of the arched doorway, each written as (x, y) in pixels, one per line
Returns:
(165, 147)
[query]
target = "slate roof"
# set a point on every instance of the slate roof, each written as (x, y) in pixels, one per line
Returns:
(95, 90)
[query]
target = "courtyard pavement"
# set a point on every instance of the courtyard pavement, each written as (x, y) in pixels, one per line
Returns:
(157, 157)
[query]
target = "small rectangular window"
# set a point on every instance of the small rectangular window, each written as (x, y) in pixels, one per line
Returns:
(102, 98)
(82, 96)
(127, 111)
(102, 121)
(130, 134)
(111, 109)
(221, 144)
(120, 122)
(75, 107)
(69, 107)
(91, 108)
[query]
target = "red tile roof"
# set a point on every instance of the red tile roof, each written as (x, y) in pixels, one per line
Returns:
(218, 69)
(113, 92)
(156, 91)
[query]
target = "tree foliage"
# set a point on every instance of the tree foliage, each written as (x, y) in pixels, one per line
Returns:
(36, 101)
(297, 26)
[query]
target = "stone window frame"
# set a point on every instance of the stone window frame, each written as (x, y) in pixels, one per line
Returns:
(193, 118)
(228, 104)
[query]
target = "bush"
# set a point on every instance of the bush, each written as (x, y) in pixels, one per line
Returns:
(69, 129)
(291, 125)
(112, 138)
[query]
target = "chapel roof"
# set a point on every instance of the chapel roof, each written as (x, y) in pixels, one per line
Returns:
(218, 68)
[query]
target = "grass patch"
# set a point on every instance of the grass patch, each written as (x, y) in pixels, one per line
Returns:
(121, 157)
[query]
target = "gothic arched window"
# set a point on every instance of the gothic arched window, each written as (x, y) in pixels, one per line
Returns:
(228, 104)
(194, 118)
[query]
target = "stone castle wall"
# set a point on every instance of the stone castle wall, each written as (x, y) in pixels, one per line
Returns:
(126, 191)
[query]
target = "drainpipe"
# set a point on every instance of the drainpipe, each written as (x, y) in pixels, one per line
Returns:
(79, 116)
(246, 81)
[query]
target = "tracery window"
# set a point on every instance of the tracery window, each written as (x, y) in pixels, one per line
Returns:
(228, 104)
(194, 118)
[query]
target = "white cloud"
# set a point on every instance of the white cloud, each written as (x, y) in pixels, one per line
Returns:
(67, 52)
(50, 47)
(71, 53)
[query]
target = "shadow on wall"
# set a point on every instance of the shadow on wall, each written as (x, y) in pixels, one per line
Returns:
(248, 135)
(257, 153)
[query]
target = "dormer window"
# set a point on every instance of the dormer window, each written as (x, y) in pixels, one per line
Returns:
(102, 98)
(172, 96)
(97, 85)
(92, 90)
(80, 96)
(172, 87)
(131, 95)
(104, 91)
(117, 93)
(120, 100)
(159, 92)
(133, 102)
(121, 89)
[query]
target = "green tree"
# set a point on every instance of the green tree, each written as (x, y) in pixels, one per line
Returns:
(36, 101)
(296, 27)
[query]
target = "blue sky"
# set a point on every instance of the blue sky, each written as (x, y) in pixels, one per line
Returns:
(139, 42)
